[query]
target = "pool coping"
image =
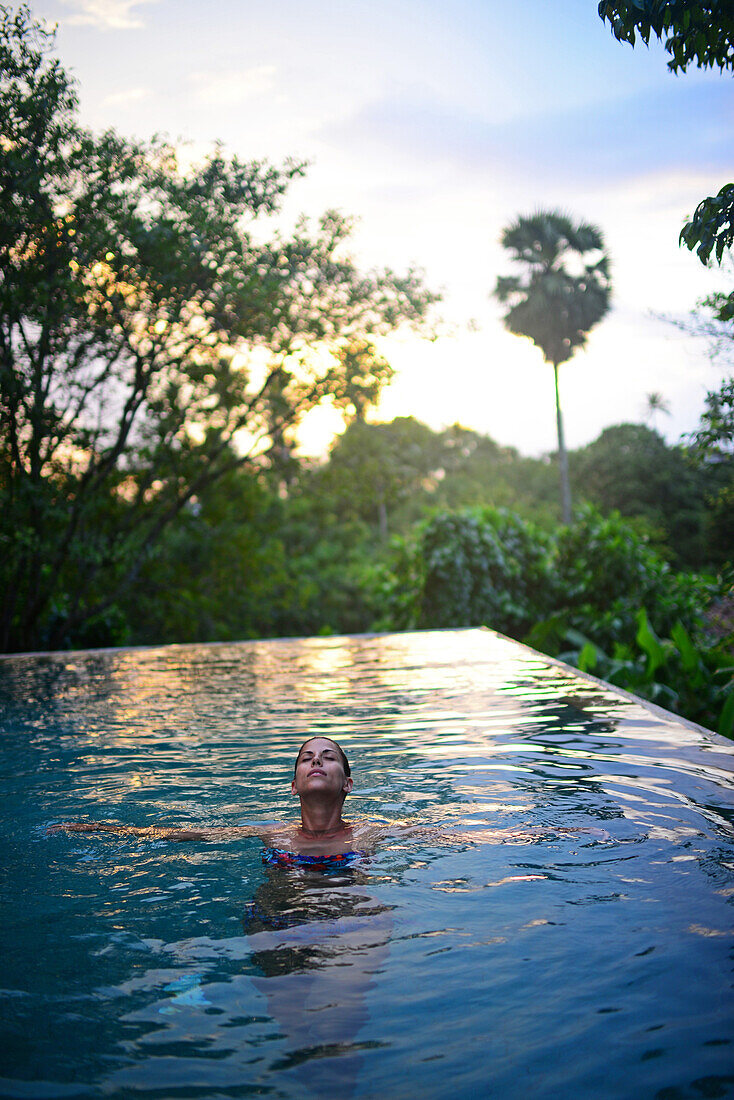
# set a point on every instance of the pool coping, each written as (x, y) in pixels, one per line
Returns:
(630, 696)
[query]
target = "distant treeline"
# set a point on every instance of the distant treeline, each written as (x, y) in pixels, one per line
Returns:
(294, 548)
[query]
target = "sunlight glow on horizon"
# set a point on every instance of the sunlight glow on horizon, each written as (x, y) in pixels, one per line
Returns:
(435, 126)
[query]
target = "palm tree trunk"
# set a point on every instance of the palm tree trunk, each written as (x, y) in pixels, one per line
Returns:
(562, 456)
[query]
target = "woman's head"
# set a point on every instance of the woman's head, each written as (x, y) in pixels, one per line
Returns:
(321, 764)
(339, 750)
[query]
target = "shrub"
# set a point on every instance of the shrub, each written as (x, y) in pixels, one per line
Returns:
(605, 570)
(465, 569)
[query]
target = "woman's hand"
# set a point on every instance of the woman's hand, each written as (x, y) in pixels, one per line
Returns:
(84, 827)
(155, 832)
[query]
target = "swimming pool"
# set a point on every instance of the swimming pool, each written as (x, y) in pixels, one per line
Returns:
(457, 965)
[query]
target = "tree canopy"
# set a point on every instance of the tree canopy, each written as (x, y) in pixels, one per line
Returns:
(695, 33)
(700, 34)
(564, 285)
(374, 468)
(715, 435)
(152, 337)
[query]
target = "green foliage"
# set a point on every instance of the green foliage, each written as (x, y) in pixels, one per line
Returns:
(719, 528)
(605, 569)
(211, 571)
(246, 563)
(712, 450)
(692, 677)
(151, 340)
(695, 32)
(577, 596)
(711, 229)
(374, 470)
(323, 560)
(715, 435)
(472, 469)
(468, 568)
(630, 469)
(388, 476)
(602, 567)
(394, 585)
(721, 306)
(485, 567)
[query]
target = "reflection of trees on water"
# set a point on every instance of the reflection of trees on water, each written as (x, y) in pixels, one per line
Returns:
(317, 940)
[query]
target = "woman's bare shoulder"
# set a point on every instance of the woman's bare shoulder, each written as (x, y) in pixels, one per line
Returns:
(281, 834)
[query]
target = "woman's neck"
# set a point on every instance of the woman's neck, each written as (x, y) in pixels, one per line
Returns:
(322, 821)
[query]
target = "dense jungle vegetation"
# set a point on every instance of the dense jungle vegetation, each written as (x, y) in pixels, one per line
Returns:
(157, 352)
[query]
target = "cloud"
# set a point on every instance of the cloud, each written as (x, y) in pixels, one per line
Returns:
(619, 137)
(107, 14)
(227, 89)
(130, 95)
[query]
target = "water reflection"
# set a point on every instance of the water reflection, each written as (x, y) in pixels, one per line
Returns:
(551, 968)
(318, 940)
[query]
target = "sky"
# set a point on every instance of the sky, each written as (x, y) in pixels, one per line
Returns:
(435, 124)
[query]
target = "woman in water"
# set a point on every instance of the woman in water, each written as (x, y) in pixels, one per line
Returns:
(316, 935)
(318, 932)
(321, 780)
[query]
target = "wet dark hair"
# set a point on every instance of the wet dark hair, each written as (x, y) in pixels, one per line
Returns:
(337, 746)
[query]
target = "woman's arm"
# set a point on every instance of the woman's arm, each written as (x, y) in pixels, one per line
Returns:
(527, 832)
(160, 832)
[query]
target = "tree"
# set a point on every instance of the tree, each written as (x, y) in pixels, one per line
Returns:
(714, 438)
(151, 340)
(365, 374)
(605, 569)
(631, 469)
(562, 292)
(655, 403)
(696, 33)
(373, 469)
(215, 574)
(712, 447)
(467, 568)
(474, 470)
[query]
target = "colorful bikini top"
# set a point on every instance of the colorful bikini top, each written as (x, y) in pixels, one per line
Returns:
(280, 857)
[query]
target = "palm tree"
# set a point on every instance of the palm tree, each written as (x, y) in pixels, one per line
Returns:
(562, 290)
(655, 403)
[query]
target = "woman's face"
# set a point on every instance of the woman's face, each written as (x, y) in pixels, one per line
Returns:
(319, 767)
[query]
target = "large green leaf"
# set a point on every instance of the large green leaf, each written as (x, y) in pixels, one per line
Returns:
(647, 639)
(726, 721)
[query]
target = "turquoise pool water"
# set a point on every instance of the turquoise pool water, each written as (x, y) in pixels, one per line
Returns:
(464, 964)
